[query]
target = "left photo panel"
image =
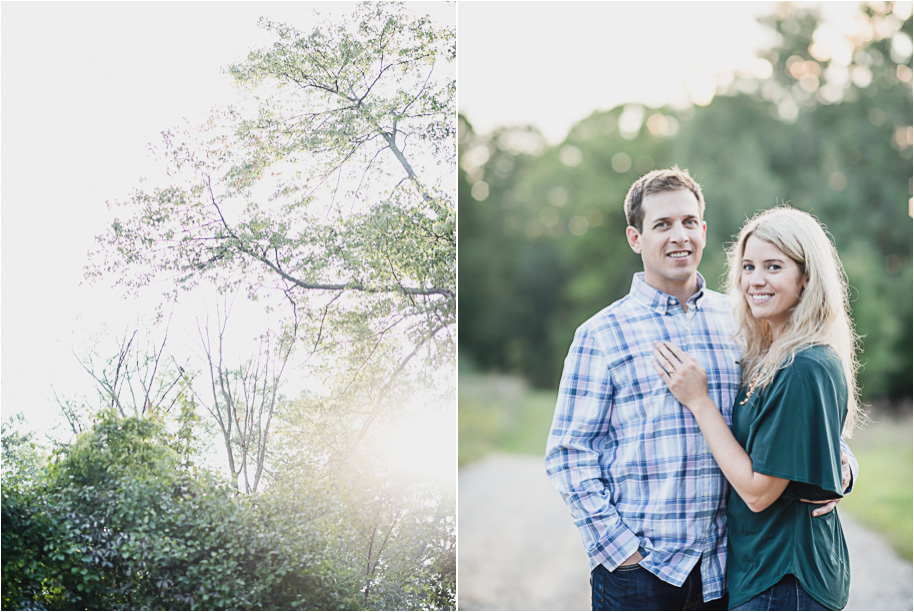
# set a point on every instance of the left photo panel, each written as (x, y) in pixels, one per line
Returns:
(229, 306)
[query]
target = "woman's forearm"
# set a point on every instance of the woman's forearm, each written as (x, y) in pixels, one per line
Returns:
(689, 384)
(758, 490)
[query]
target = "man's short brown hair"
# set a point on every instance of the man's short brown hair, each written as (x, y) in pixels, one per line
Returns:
(657, 181)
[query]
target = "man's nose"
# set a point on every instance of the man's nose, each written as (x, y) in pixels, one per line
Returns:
(679, 234)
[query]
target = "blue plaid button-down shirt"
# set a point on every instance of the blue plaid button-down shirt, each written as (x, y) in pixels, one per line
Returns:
(628, 459)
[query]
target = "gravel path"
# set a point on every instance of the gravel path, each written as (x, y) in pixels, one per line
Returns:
(519, 550)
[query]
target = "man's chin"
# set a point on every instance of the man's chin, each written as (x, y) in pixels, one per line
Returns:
(682, 275)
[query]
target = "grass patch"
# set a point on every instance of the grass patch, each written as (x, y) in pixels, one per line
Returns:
(882, 498)
(501, 413)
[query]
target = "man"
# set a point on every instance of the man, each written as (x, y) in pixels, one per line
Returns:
(644, 490)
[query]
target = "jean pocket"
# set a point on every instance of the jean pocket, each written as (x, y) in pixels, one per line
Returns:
(628, 568)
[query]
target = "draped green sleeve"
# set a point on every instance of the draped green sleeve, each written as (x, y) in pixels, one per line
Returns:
(797, 432)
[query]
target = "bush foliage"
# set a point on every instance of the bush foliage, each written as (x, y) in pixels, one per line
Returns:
(120, 521)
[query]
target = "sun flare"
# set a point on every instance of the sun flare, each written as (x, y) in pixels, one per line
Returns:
(421, 445)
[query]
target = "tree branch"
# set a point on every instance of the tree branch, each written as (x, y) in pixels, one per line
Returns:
(322, 286)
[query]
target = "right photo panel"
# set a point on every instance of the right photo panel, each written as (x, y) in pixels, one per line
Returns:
(685, 306)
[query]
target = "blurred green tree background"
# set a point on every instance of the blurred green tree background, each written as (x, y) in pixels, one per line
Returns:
(823, 124)
(542, 228)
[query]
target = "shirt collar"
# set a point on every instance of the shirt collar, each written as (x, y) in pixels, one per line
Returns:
(660, 302)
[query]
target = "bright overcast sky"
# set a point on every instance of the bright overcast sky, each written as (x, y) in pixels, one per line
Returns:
(551, 64)
(85, 88)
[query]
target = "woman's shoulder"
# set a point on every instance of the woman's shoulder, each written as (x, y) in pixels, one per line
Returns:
(814, 367)
(808, 365)
(817, 358)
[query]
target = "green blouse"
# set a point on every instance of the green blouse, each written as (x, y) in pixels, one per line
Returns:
(792, 430)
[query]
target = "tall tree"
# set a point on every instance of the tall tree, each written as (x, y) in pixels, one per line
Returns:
(327, 192)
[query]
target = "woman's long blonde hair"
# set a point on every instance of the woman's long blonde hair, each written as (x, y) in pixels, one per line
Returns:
(822, 314)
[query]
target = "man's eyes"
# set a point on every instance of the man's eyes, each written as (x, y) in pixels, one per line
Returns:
(666, 224)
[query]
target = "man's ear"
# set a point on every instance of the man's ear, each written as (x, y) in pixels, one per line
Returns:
(634, 238)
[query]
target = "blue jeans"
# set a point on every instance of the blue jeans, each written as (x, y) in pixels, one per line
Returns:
(785, 595)
(632, 587)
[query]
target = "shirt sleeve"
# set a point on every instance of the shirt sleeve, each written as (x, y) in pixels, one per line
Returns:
(576, 440)
(798, 433)
(852, 461)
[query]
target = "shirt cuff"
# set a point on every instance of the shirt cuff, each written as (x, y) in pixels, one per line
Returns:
(619, 545)
(855, 469)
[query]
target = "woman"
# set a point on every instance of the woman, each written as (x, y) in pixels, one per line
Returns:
(798, 391)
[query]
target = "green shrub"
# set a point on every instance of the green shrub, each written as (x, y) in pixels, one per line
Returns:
(119, 521)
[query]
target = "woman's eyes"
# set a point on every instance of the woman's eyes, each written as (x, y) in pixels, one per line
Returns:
(771, 267)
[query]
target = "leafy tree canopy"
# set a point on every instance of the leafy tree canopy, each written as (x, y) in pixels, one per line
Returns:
(326, 189)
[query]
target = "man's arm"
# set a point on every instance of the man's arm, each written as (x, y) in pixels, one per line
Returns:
(576, 440)
(849, 467)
